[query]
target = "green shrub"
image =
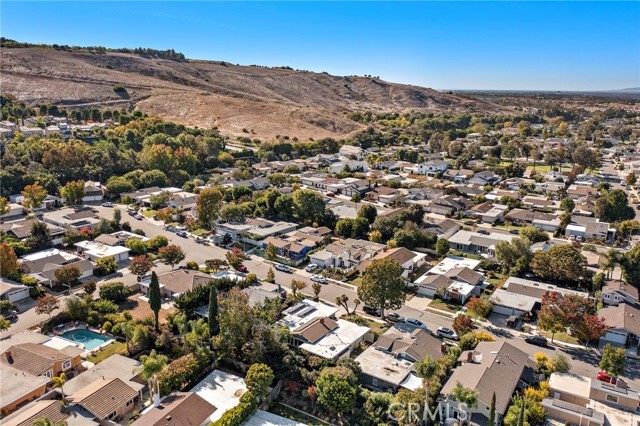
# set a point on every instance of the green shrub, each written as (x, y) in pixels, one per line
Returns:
(182, 372)
(106, 326)
(116, 292)
(157, 242)
(136, 246)
(36, 292)
(192, 264)
(238, 414)
(105, 306)
(28, 281)
(119, 88)
(48, 325)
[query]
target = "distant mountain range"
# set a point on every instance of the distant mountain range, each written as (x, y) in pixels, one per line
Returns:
(630, 90)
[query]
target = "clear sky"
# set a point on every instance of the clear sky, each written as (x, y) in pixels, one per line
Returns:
(444, 45)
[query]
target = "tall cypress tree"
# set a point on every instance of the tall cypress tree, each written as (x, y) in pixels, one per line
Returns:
(521, 416)
(492, 411)
(214, 326)
(154, 298)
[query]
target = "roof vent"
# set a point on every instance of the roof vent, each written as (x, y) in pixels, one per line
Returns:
(168, 418)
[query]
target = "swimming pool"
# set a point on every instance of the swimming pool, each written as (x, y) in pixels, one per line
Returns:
(88, 338)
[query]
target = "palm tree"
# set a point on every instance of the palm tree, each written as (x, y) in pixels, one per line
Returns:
(43, 421)
(612, 258)
(152, 364)
(467, 396)
(58, 382)
(428, 369)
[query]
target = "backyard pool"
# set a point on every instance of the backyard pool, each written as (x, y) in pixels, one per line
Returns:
(89, 339)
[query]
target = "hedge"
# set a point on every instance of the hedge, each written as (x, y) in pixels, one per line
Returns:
(238, 414)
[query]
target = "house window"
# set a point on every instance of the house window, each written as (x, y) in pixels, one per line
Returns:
(374, 381)
(612, 398)
(66, 365)
(111, 416)
(129, 402)
(49, 374)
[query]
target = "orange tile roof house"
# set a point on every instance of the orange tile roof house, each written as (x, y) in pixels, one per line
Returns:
(106, 399)
(40, 360)
(178, 409)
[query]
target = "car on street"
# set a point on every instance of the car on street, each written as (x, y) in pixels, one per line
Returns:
(242, 268)
(462, 311)
(604, 377)
(416, 322)
(282, 268)
(394, 317)
(182, 234)
(10, 314)
(137, 216)
(319, 279)
(447, 333)
(312, 267)
(536, 340)
(370, 310)
(107, 204)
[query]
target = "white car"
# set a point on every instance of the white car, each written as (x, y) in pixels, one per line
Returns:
(416, 323)
(107, 204)
(282, 268)
(311, 267)
(319, 279)
(447, 333)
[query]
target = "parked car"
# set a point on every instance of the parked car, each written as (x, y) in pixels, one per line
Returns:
(311, 267)
(462, 311)
(536, 340)
(416, 322)
(484, 231)
(107, 204)
(10, 314)
(319, 279)
(242, 268)
(447, 333)
(182, 234)
(604, 377)
(138, 216)
(282, 268)
(394, 317)
(370, 310)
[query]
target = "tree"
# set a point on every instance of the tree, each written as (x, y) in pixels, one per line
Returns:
(335, 391)
(155, 299)
(58, 382)
(343, 300)
(344, 227)
(442, 247)
(297, 285)
(208, 205)
(375, 236)
(631, 179)
(270, 252)
(613, 360)
(466, 396)
(4, 324)
(567, 204)
(462, 324)
(46, 305)
(514, 256)
(570, 311)
(117, 216)
(369, 212)
(73, 192)
(33, 195)
(521, 416)
(107, 265)
(559, 263)
(43, 421)
(271, 276)
(214, 325)
(152, 364)
(492, 411)
(77, 308)
(8, 261)
(586, 157)
(309, 206)
(67, 275)
(613, 206)
(258, 379)
(140, 265)
(480, 306)
(630, 263)
(40, 237)
(116, 292)
(382, 285)
(428, 369)
(171, 255)
(317, 287)
(4, 206)
(533, 234)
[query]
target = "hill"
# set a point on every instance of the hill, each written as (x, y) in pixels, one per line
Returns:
(241, 100)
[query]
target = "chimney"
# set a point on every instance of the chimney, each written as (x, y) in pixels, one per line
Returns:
(7, 354)
(322, 321)
(470, 356)
(443, 348)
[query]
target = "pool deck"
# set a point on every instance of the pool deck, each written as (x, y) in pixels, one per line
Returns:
(60, 329)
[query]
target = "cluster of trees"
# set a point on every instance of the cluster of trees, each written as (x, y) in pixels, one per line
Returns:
(571, 313)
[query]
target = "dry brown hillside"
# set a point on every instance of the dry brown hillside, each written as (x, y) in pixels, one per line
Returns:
(265, 101)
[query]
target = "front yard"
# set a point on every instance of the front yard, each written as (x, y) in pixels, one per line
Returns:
(445, 306)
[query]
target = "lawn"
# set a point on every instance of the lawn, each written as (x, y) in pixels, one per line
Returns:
(444, 306)
(561, 337)
(200, 232)
(112, 349)
(357, 281)
(150, 213)
(496, 281)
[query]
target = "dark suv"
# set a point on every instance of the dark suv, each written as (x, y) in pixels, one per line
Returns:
(371, 311)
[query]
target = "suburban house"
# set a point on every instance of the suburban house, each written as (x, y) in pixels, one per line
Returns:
(409, 261)
(72, 218)
(142, 197)
(174, 283)
(433, 285)
(49, 202)
(495, 214)
(296, 244)
(492, 368)
(537, 289)
(43, 264)
(448, 205)
(12, 291)
(589, 228)
(221, 390)
(577, 399)
(458, 175)
(386, 195)
(388, 364)
(352, 151)
(95, 250)
(41, 360)
(543, 221)
(346, 254)
(615, 292)
(475, 242)
(315, 330)
(19, 388)
(107, 399)
(512, 304)
(429, 168)
(254, 230)
(487, 177)
(15, 210)
(51, 409)
(93, 191)
(623, 321)
(21, 230)
(179, 408)
(578, 191)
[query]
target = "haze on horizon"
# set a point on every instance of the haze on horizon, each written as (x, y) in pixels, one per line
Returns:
(568, 46)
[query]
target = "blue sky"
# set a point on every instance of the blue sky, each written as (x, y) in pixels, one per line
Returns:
(444, 45)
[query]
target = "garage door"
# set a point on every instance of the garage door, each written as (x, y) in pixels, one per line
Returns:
(504, 310)
(17, 295)
(616, 337)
